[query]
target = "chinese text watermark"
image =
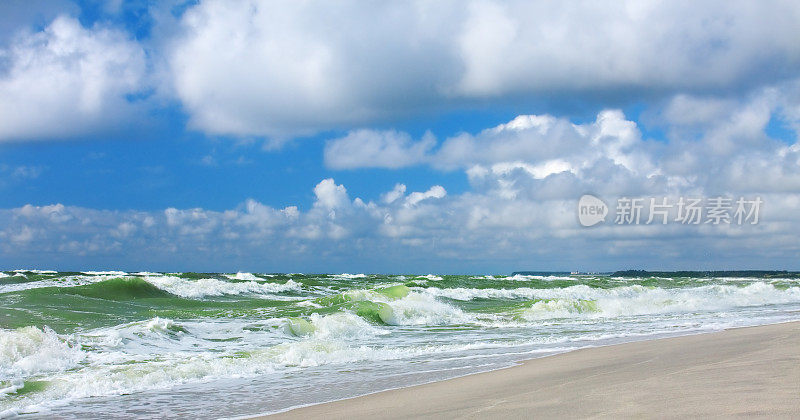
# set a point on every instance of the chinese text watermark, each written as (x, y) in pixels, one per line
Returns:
(664, 210)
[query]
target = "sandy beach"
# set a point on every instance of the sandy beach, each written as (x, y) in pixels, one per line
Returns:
(751, 371)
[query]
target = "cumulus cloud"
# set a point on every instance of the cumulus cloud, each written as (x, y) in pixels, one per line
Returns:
(427, 230)
(520, 210)
(539, 46)
(711, 144)
(67, 80)
(290, 68)
(525, 177)
(284, 69)
(397, 192)
(436, 191)
(608, 154)
(377, 149)
(250, 230)
(17, 14)
(329, 195)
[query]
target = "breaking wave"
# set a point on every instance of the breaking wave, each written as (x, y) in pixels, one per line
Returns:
(112, 334)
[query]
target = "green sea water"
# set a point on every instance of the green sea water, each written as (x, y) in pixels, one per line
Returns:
(150, 344)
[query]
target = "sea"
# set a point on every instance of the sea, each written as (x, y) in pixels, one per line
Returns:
(122, 344)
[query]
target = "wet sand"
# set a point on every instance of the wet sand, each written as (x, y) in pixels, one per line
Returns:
(751, 371)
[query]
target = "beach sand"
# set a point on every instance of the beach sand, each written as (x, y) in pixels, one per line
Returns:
(739, 372)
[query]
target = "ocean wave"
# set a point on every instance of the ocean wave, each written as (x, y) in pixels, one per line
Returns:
(161, 353)
(432, 277)
(21, 271)
(243, 276)
(585, 301)
(421, 309)
(348, 276)
(30, 350)
(638, 300)
(145, 273)
(201, 288)
(105, 273)
(65, 281)
(395, 305)
(121, 288)
(381, 326)
(525, 277)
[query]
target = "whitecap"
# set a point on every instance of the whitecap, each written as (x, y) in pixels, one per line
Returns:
(196, 289)
(104, 273)
(243, 276)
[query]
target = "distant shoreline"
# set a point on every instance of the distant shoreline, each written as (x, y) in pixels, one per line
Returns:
(620, 273)
(692, 274)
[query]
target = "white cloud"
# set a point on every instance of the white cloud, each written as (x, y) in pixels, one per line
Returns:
(288, 68)
(13, 174)
(712, 145)
(463, 232)
(518, 211)
(397, 192)
(331, 196)
(68, 80)
(515, 155)
(539, 171)
(540, 46)
(436, 191)
(24, 236)
(525, 177)
(248, 68)
(376, 149)
(281, 69)
(18, 14)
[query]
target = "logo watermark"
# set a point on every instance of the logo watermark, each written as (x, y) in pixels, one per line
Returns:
(664, 210)
(591, 210)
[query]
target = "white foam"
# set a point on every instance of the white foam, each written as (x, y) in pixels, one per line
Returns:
(430, 277)
(13, 387)
(195, 289)
(413, 309)
(585, 301)
(525, 277)
(35, 271)
(343, 326)
(104, 273)
(421, 309)
(243, 276)
(159, 353)
(639, 300)
(350, 276)
(29, 350)
(66, 281)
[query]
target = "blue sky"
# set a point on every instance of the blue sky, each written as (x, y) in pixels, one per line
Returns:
(404, 137)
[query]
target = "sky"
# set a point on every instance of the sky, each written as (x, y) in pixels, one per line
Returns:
(395, 137)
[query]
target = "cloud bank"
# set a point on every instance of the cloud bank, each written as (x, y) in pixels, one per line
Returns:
(520, 210)
(282, 69)
(287, 68)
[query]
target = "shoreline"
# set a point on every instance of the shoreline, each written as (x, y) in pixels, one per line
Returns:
(744, 371)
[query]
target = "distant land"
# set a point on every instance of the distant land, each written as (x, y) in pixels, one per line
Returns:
(735, 273)
(645, 273)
